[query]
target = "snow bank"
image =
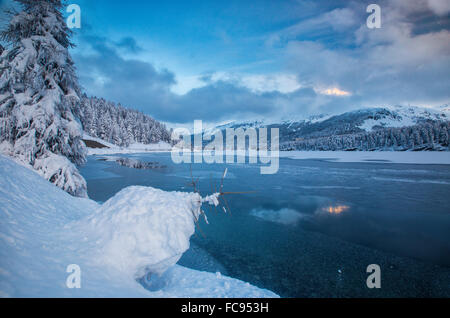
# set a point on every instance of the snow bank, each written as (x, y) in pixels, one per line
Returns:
(142, 229)
(101, 141)
(43, 230)
(55, 168)
(133, 148)
(62, 173)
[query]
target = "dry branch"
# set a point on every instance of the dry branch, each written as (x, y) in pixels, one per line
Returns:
(215, 199)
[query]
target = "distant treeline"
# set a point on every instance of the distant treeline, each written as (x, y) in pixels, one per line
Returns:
(424, 136)
(119, 125)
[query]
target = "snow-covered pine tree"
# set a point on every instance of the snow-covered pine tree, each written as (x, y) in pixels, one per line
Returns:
(39, 94)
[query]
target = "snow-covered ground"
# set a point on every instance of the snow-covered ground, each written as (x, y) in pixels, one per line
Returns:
(133, 148)
(141, 230)
(411, 157)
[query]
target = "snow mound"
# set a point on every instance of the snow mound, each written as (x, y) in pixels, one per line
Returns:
(142, 229)
(43, 230)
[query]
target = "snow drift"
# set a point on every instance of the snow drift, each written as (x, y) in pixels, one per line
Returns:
(141, 230)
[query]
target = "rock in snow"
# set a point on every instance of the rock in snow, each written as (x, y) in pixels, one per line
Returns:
(141, 230)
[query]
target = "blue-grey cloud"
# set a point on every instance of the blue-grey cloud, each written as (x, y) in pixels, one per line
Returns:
(406, 61)
(129, 44)
(105, 73)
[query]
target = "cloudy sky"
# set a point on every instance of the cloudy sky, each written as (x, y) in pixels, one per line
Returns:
(220, 60)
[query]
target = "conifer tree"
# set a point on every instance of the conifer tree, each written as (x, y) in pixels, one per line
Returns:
(39, 94)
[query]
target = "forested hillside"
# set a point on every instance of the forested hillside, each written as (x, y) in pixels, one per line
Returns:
(119, 125)
(425, 136)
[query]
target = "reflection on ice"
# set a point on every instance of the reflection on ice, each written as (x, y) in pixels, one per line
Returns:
(338, 209)
(282, 216)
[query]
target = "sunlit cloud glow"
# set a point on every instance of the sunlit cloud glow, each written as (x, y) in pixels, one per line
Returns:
(335, 92)
(336, 209)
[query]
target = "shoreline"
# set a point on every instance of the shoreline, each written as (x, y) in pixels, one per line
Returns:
(401, 157)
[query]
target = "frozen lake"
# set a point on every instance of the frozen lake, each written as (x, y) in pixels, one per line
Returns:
(312, 229)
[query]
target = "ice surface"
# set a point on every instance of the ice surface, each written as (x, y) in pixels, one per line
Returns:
(422, 157)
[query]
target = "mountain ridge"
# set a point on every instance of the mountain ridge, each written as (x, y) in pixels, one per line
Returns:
(362, 125)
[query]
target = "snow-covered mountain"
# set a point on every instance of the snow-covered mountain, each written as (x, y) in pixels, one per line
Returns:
(367, 119)
(399, 116)
(370, 122)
